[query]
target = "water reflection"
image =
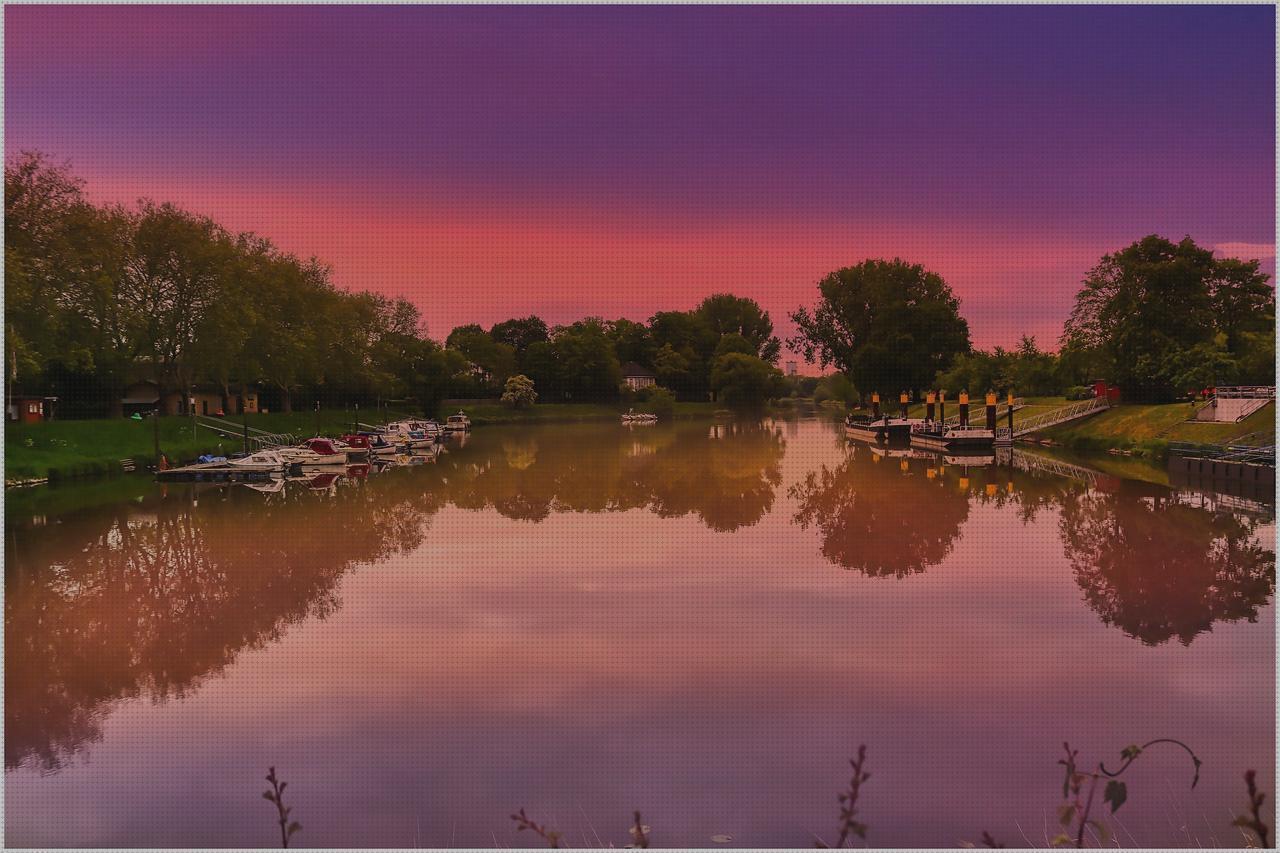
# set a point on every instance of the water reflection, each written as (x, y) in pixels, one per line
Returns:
(726, 475)
(148, 598)
(1156, 563)
(881, 515)
(1159, 568)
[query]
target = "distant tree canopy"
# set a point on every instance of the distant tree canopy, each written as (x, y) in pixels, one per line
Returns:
(100, 297)
(1162, 318)
(887, 325)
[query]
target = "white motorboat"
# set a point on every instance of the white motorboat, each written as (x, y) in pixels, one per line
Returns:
(458, 423)
(634, 417)
(263, 460)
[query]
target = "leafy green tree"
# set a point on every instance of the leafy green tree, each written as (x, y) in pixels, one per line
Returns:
(674, 370)
(632, 341)
(659, 401)
(496, 360)
(727, 314)
(1243, 300)
(888, 325)
(745, 381)
(520, 334)
(734, 342)
(519, 392)
(1140, 309)
(588, 367)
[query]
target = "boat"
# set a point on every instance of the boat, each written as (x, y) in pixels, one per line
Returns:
(314, 452)
(357, 447)
(864, 428)
(932, 435)
(380, 444)
(263, 460)
(458, 423)
(634, 417)
(412, 433)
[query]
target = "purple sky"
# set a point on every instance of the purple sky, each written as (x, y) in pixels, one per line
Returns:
(491, 162)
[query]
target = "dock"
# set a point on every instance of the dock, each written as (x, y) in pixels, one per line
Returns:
(213, 472)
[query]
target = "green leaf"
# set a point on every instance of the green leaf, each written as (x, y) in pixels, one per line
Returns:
(1066, 812)
(1104, 832)
(1115, 794)
(1131, 751)
(1059, 840)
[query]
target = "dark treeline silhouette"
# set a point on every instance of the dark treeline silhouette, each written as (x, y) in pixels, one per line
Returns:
(102, 296)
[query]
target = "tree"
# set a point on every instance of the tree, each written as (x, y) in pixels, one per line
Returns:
(632, 341)
(734, 342)
(727, 314)
(1243, 301)
(519, 392)
(1142, 306)
(520, 334)
(745, 381)
(496, 360)
(888, 325)
(587, 365)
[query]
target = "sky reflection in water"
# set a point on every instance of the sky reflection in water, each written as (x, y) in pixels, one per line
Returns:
(698, 621)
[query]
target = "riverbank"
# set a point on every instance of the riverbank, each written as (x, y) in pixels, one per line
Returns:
(1148, 429)
(92, 448)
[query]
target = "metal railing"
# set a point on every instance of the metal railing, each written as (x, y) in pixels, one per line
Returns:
(1254, 455)
(1081, 409)
(1253, 392)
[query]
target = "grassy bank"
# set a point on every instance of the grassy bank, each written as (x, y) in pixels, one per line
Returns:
(1148, 429)
(68, 449)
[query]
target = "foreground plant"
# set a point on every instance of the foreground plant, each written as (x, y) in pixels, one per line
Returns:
(849, 823)
(1253, 820)
(276, 796)
(1077, 808)
(544, 832)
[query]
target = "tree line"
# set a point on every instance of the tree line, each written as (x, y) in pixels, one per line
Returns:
(100, 296)
(1157, 318)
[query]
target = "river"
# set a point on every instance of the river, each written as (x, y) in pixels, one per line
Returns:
(699, 620)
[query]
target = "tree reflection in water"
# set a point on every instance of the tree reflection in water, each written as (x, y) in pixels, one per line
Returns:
(149, 598)
(146, 598)
(1157, 568)
(725, 474)
(884, 517)
(1148, 563)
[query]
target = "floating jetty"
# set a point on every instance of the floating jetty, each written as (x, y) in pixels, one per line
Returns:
(214, 472)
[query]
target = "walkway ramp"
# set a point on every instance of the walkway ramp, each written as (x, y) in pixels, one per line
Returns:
(258, 439)
(1070, 412)
(1232, 404)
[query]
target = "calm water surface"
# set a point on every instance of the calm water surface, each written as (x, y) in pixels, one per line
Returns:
(701, 622)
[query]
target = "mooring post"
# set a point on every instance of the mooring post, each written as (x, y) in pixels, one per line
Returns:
(1011, 413)
(317, 417)
(930, 399)
(964, 409)
(355, 423)
(942, 406)
(991, 411)
(902, 403)
(875, 405)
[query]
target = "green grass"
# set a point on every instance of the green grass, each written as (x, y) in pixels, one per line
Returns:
(66, 449)
(1150, 428)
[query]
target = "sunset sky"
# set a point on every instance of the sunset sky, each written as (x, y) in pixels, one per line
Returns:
(496, 162)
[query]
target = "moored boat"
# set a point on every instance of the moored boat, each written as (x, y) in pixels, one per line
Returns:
(932, 435)
(458, 423)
